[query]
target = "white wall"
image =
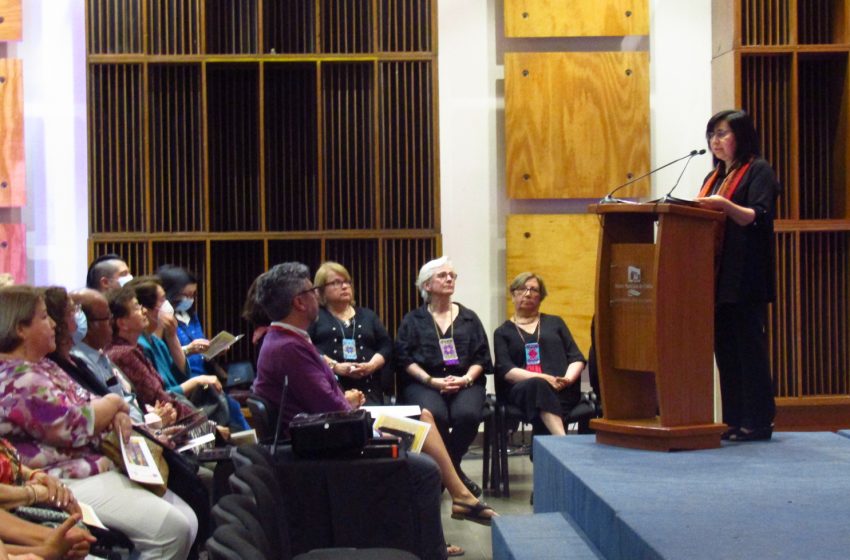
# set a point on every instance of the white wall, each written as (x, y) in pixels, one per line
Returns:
(471, 131)
(56, 214)
(474, 203)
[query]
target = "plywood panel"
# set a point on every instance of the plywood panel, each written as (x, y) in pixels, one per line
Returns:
(576, 18)
(13, 251)
(12, 163)
(10, 20)
(562, 250)
(577, 124)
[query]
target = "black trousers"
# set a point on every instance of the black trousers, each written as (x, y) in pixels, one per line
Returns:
(461, 412)
(740, 346)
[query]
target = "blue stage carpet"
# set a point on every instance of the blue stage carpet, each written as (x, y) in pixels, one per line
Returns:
(786, 498)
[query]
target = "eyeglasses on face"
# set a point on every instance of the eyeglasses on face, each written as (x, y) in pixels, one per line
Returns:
(314, 289)
(719, 134)
(445, 275)
(527, 290)
(337, 284)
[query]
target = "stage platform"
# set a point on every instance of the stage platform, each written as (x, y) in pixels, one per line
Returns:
(786, 498)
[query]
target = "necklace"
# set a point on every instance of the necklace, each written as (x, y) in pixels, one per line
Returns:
(346, 316)
(533, 320)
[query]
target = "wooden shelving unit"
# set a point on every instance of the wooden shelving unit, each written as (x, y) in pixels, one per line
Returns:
(229, 135)
(787, 62)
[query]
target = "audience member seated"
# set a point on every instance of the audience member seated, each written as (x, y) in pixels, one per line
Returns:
(538, 364)
(443, 351)
(181, 290)
(88, 354)
(128, 324)
(203, 391)
(108, 272)
(57, 426)
(286, 292)
(255, 315)
(22, 486)
(352, 340)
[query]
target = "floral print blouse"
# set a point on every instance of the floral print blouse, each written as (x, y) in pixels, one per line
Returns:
(49, 419)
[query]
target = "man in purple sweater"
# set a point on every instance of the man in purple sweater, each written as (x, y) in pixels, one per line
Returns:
(285, 292)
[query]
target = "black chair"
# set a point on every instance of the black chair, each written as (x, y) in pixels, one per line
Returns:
(229, 508)
(260, 482)
(263, 416)
(240, 375)
(234, 542)
(259, 454)
(508, 414)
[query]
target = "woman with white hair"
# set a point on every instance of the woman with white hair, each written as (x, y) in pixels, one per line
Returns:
(443, 349)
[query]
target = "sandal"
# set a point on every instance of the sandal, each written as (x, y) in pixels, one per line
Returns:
(754, 434)
(453, 550)
(473, 512)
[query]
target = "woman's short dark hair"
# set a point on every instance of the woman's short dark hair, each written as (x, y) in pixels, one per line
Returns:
(119, 304)
(17, 308)
(56, 300)
(278, 287)
(523, 277)
(146, 290)
(174, 280)
(742, 126)
(251, 310)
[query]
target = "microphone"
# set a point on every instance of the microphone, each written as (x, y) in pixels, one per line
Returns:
(672, 199)
(279, 414)
(609, 198)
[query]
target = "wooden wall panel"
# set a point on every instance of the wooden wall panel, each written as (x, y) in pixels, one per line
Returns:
(10, 20)
(562, 250)
(12, 162)
(576, 18)
(577, 124)
(13, 251)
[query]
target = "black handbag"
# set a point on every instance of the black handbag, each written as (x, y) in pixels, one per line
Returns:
(331, 434)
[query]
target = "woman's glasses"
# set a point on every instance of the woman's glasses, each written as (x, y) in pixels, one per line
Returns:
(530, 290)
(337, 284)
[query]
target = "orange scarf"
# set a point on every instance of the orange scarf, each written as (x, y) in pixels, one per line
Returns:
(730, 183)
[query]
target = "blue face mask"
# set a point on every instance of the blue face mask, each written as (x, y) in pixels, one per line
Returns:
(184, 304)
(82, 326)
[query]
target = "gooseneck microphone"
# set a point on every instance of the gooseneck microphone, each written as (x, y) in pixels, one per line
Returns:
(672, 199)
(609, 198)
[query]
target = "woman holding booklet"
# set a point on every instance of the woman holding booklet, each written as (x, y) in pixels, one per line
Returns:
(57, 427)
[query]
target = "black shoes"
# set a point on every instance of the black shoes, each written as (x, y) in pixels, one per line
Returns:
(748, 434)
(470, 484)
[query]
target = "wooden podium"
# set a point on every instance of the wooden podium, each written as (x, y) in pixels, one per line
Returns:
(655, 326)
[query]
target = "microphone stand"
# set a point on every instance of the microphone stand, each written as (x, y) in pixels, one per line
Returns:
(609, 198)
(667, 198)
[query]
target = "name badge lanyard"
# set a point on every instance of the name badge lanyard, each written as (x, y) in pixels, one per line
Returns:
(349, 347)
(532, 349)
(447, 345)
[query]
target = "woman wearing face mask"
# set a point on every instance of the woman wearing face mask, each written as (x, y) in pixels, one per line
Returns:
(71, 327)
(204, 391)
(181, 291)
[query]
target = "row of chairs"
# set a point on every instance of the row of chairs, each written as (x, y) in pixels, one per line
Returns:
(499, 419)
(252, 523)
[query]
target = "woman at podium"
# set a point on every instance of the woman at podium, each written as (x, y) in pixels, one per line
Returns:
(538, 364)
(744, 187)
